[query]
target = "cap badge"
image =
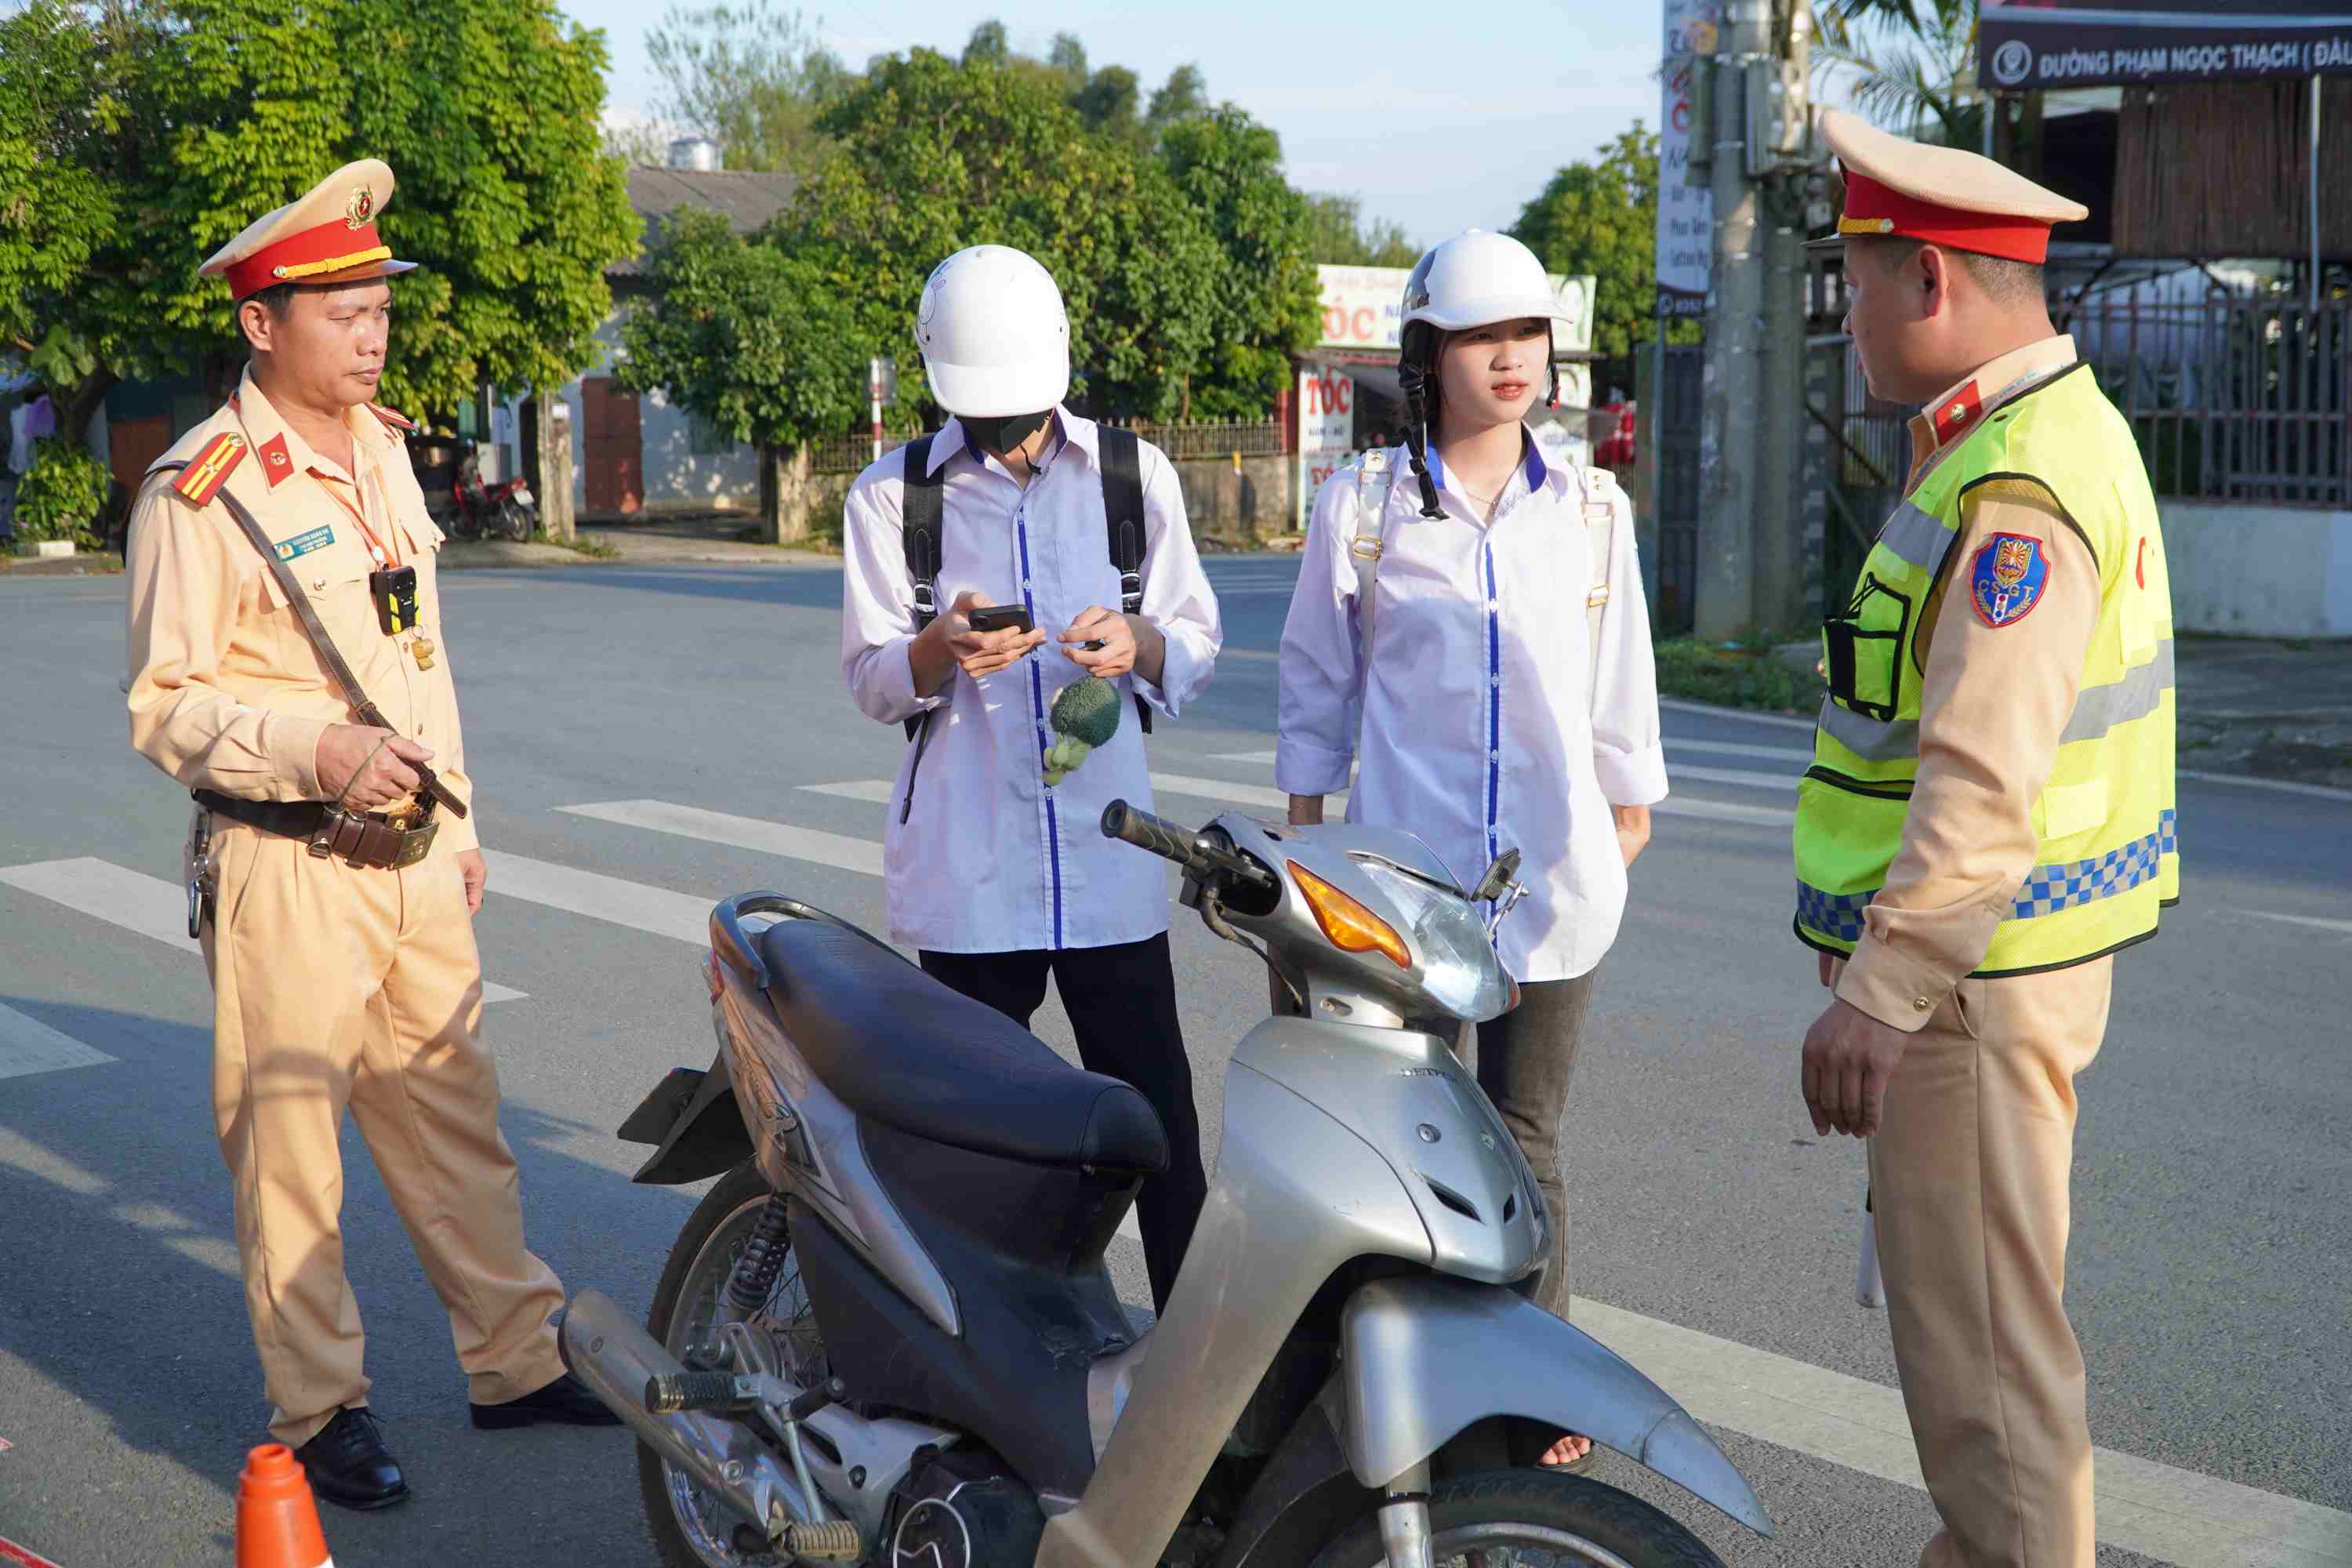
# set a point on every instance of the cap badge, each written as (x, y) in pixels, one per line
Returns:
(360, 208)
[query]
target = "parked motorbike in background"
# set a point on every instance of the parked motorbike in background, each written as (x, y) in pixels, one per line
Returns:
(889, 1335)
(503, 511)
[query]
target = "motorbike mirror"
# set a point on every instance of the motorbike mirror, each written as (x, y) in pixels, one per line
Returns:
(1498, 878)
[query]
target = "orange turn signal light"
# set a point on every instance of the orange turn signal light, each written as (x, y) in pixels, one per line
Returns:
(1350, 927)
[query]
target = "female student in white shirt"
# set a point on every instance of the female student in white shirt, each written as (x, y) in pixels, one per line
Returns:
(1491, 717)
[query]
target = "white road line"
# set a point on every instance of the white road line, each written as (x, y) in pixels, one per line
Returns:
(1743, 715)
(2282, 786)
(2343, 928)
(833, 850)
(1782, 782)
(29, 1046)
(146, 906)
(878, 791)
(1674, 743)
(1739, 748)
(680, 916)
(2175, 1516)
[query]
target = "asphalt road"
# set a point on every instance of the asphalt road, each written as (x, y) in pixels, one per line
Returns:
(2212, 1267)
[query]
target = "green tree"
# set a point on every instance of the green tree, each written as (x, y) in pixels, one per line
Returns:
(1601, 217)
(1911, 64)
(748, 337)
(165, 126)
(1229, 167)
(750, 77)
(987, 46)
(1339, 236)
(1183, 96)
(935, 156)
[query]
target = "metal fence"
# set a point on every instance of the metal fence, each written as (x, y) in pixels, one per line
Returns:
(1182, 443)
(2231, 398)
(1241, 438)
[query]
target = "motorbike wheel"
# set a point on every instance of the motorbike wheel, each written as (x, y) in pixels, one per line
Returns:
(689, 1305)
(1533, 1518)
(519, 521)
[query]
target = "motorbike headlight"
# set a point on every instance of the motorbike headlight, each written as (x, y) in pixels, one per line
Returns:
(1459, 968)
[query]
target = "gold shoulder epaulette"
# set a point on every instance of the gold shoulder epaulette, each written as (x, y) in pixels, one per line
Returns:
(210, 468)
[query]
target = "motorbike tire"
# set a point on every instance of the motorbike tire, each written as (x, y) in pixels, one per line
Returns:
(1568, 1517)
(518, 522)
(737, 1198)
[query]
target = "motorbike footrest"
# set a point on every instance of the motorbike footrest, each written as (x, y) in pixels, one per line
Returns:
(835, 1541)
(668, 1393)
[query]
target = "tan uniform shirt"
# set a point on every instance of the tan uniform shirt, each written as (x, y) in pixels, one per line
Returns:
(227, 693)
(1993, 704)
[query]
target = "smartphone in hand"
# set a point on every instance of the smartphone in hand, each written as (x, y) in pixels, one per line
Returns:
(1000, 618)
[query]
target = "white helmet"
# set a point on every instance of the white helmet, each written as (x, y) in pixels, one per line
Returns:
(1476, 279)
(994, 336)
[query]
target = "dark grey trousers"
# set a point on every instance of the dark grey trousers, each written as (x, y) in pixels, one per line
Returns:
(1526, 1058)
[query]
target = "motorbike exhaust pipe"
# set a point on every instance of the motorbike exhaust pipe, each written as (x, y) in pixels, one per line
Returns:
(605, 1349)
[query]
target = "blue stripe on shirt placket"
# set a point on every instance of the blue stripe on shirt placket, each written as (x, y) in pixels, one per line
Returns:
(1493, 704)
(1037, 700)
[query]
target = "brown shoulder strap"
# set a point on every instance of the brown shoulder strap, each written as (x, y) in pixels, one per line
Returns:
(363, 707)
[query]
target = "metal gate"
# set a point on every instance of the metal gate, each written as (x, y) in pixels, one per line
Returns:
(1672, 409)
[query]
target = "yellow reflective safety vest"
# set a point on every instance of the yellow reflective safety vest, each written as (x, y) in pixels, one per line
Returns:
(2109, 857)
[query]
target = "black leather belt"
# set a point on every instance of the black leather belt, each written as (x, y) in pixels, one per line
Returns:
(370, 841)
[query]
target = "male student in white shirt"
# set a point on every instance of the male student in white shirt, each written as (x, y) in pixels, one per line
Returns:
(999, 878)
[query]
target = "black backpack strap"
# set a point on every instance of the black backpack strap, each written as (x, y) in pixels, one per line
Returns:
(1122, 470)
(920, 511)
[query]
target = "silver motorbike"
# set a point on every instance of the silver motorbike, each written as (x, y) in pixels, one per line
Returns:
(888, 1336)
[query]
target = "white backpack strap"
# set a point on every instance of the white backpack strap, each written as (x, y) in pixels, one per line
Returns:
(1375, 483)
(1601, 537)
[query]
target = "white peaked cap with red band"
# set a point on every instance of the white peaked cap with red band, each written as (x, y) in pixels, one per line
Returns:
(327, 237)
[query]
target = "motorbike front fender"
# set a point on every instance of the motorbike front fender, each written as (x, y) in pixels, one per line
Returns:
(1427, 1357)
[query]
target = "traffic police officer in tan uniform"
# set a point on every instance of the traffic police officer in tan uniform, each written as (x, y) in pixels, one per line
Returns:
(335, 866)
(1989, 818)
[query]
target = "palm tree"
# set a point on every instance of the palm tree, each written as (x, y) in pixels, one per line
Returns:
(1914, 64)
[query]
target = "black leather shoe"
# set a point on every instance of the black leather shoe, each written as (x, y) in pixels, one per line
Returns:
(566, 1402)
(350, 1467)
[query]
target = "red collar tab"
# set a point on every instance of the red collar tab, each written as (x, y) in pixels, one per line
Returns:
(276, 462)
(1872, 208)
(1957, 414)
(400, 422)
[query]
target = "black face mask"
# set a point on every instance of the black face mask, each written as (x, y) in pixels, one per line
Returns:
(1001, 432)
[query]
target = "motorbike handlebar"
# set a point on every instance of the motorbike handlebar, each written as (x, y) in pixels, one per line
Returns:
(1196, 852)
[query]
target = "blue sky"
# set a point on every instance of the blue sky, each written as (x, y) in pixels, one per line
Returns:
(1440, 116)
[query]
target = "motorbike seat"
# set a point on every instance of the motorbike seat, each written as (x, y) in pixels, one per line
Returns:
(900, 1048)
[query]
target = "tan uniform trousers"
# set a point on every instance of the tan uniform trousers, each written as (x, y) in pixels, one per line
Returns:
(1969, 1178)
(338, 987)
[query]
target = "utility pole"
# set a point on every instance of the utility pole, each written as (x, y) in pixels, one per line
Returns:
(1750, 541)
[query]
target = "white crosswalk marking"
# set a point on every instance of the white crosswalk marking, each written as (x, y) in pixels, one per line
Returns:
(833, 850)
(29, 1046)
(145, 906)
(1740, 776)
(1739, 749)
(2175, 1516)
(682, 916)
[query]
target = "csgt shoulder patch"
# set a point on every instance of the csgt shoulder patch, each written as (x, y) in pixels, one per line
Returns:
(210, 468)
(2006, 577)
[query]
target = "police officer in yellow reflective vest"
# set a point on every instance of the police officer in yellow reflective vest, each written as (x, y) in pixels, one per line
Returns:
(1988, 820)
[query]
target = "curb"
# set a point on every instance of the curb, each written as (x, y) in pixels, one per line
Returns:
(2241, 781)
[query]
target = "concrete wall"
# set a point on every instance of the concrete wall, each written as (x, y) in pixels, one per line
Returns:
(2259, 571)
(1255, 502)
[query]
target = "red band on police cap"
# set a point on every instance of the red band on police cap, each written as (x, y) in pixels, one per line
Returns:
(331, 247)
(1873, 208)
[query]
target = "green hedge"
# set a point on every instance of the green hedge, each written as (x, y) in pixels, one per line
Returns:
(63, 495)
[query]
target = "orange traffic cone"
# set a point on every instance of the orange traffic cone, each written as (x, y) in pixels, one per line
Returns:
(277, 1522)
